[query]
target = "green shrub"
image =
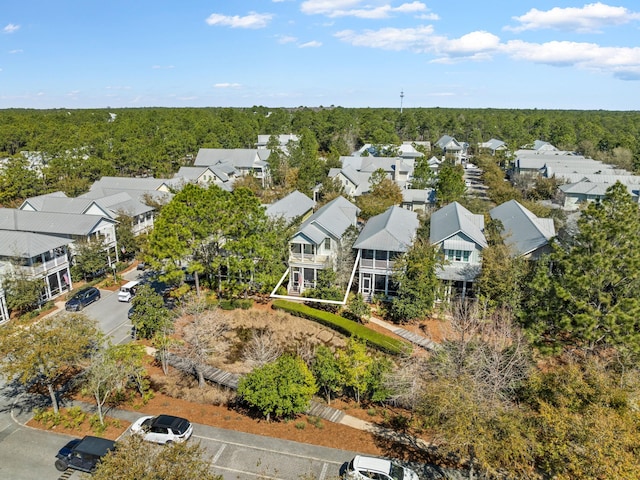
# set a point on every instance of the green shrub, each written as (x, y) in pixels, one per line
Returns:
(346, 327)
(227, 305)
(245, 304)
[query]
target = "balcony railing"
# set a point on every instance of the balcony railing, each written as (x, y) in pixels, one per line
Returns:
(379, 264)
(41, 268)
(307, 258)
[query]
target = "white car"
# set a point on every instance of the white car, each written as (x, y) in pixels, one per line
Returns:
(372, 468)
(162, 428)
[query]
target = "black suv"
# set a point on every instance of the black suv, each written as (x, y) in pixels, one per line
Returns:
(83, 454)
(82, 298)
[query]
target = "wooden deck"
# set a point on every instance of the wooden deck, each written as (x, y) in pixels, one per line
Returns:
(230, 380)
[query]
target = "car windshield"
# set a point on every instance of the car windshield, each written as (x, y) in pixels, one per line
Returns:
(396, 472)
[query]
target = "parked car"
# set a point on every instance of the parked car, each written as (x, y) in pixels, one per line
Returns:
(141, 266)
(83, 454)
(82, 298)
(162, 428)
(372, 468)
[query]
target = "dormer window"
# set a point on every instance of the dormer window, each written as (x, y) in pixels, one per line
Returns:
(327, 244)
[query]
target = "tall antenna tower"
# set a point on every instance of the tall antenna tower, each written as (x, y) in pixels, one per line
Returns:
(401, 98)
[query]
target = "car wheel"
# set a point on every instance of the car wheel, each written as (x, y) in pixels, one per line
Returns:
(168, 442)
(61, 465)
(80, 306)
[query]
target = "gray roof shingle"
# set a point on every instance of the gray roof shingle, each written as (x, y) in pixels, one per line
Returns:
(392, 230)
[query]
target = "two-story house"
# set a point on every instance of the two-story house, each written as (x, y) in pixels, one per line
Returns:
(34, 256)
(316, 243)
(246, 161)
(459, 235)
(382, 240)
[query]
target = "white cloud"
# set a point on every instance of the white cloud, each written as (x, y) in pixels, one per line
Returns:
(312, 44)
(358, 8)
(252, 20)
(428, 16)
(418, 39)
(162, 67)
(286, 39)
(18, 50)
(590, 18)
(622, 62)
(422, 39)
(10, 28)
(227, 85)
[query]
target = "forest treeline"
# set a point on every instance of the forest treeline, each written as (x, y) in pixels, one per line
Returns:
(157, 141)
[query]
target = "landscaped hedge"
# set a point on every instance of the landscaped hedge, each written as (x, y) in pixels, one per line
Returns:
(347, 327)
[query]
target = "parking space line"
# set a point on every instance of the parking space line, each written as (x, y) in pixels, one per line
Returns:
(269, 450)
(323, 473)
(218, 453)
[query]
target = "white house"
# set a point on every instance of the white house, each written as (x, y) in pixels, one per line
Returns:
(382, 240)
(459, 235)
(316, 243)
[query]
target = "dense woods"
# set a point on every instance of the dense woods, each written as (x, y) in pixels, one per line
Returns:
(80, 146)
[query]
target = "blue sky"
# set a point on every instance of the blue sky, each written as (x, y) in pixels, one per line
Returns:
(350, 53)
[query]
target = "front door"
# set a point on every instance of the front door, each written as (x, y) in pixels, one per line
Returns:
(366, 285)
(295, 281)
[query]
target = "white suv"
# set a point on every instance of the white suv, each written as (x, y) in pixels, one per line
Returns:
(162, 428)
(371, 468)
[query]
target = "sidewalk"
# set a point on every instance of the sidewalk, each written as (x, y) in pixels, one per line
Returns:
(414, 338)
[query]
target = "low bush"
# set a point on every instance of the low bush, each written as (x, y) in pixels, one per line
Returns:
(346, 327)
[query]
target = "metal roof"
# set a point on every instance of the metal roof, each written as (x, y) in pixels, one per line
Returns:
(392, 230)
(522, 230)
(28, 244)
(294, 205)
(454, 218)
(334, 218)
(238, 157)
(50, 222)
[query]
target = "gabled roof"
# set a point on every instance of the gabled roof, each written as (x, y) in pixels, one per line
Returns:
(38, 202)
(28, 244)
(542, 145)
(522, 230)
(494, 144)
(238, 157)
(132, 183)
(412, 195)
(453, 219)
(334, 218)
(194, 173)
(449, 143)
(294, 205)
(283, 139)
(392, 230)
(50, 222)
(109, 205)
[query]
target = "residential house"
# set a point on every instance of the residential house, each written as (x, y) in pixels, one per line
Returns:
(459, 235)
(452, 148)
(524, 233)
(382, 240)
(39, 245)
(418, 200)
(221, 175)
(247, 161)
(34, 256)
(283, 141)
(492, 146)
(294, 206)
(110, 206)
(72, 226)
(316, 244)
(589, 189)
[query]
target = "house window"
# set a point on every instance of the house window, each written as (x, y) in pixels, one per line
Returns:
(458, 255)
(327, 244)
(367, 254)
